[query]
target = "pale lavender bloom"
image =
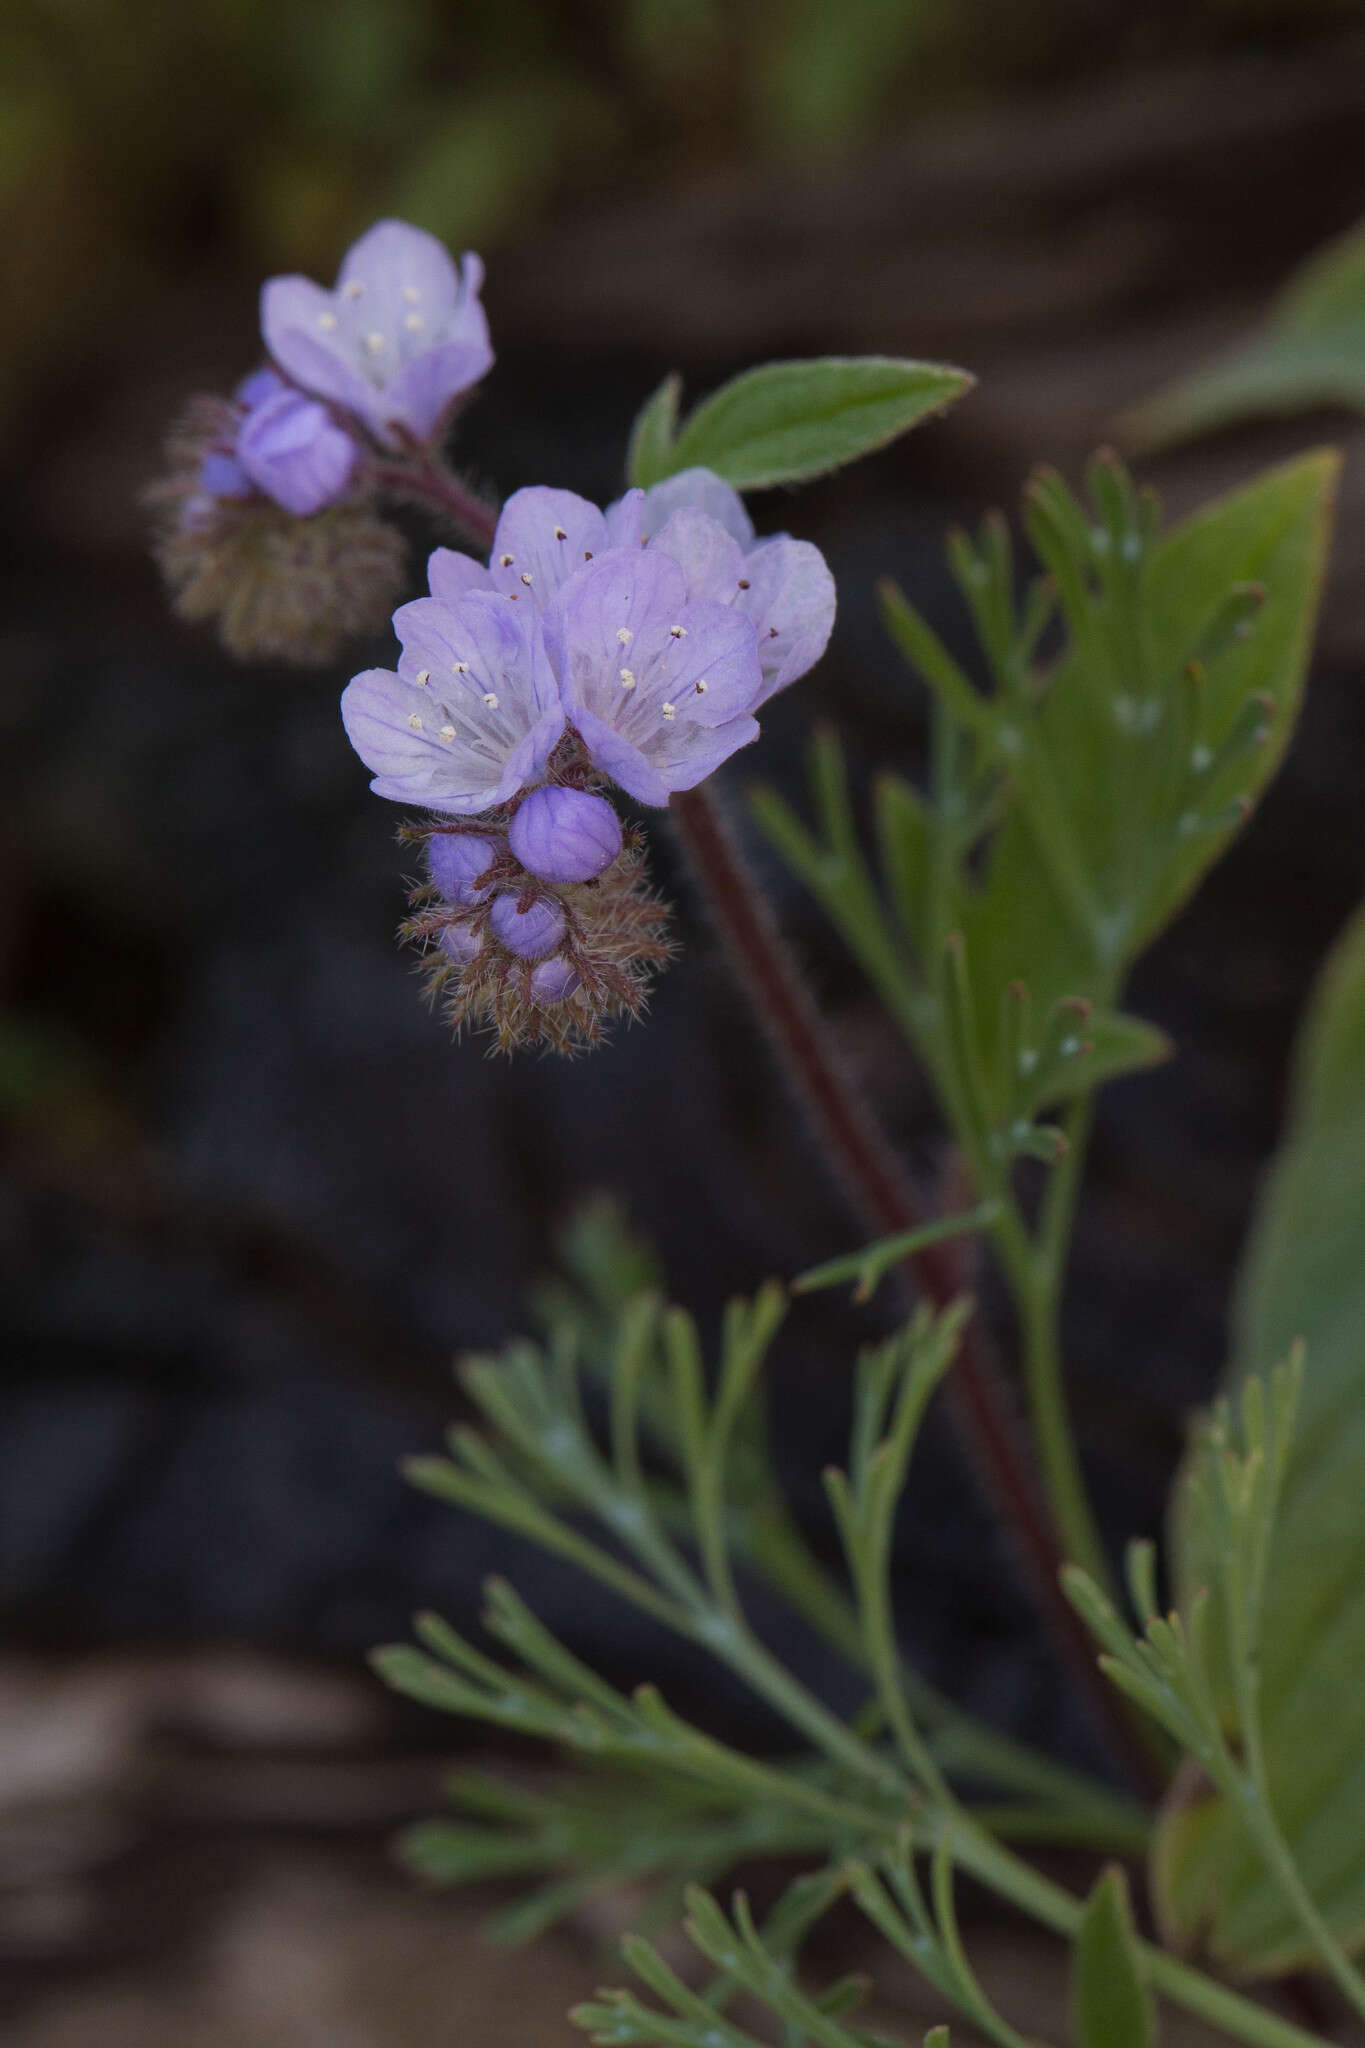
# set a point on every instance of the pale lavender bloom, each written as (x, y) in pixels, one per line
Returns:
(658, 687)
(543, 537)
(293, 450)
(783, 585)
(531, 932)
(565, 835)
(221, 476)
(553, 981)
(473, 713)
(397, 341)
(455, 860)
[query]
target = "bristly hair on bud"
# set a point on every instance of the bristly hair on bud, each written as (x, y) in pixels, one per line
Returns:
(279, 587)
(588, 956)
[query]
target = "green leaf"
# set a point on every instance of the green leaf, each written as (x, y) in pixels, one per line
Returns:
(1074, 887)
(1110, 2003)
(1309, 352)
(651, 438)
(1303, 1276)
(868, 1266)
(785, 422)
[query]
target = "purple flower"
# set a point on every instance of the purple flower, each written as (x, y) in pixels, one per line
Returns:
(473, 713)
(658, 687)
(783, 585)
(292, 449)
(543, 538)
(565, 835)
(399, 339)
(528, 933)
(455, 860)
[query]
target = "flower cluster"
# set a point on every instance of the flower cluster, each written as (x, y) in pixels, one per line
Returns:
(631, 645)
(268, 520)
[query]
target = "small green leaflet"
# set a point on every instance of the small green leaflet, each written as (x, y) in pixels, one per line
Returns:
(1309, 352)
(1303, 1277)
(1110, 2003)
(869, 1266)
(786, 422)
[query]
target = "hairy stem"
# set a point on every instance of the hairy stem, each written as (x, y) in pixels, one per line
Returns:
(859, 1158)
(425, 480)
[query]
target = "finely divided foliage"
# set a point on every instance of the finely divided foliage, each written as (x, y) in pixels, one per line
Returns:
(1138, 693)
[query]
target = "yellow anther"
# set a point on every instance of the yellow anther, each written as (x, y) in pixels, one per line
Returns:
(415, 721)
(669, 710)
(678, 632)
(491, 699)
(447, 733)
(627, 679)
(624, 635)
(424, 675)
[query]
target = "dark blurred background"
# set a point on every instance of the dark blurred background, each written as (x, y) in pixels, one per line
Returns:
(251, 1198)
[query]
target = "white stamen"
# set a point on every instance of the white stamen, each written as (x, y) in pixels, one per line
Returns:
(624, 635)
(415, 721)
(506, 561)
(560, 533)
(627, 679)
(327, 321)
(669, 710)
(462, 668)
(414, 323)
(702, 686)
(354, 290)
(526, 578)
(491, 700)
(412, 295)
(447, 733)
(375, 343)
(424, 675)
(678, 632)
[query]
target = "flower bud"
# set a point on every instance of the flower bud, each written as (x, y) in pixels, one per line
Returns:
(565, 835)
(455, 860)
(528, 933)
(460, 944)
(554, 980)
(293, 451)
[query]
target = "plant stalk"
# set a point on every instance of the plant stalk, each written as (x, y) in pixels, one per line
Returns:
(858, 1156)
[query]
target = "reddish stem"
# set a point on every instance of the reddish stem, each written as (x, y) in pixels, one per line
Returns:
(429, 482)
(858, 1155)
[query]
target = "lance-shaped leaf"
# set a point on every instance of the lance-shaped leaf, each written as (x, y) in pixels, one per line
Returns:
(1304, 1276)
(1110, 2003)
(1310, 351)
(785, 422)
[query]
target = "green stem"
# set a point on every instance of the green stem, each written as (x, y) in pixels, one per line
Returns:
(1264, 1827)
(776, 1548)
(1013, 1879)
(1034, 1276)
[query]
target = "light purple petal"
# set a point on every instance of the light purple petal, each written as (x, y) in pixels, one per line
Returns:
(687, 757)
(791, 600)
(633, 650)
(221, 475)
(543, 538)
(302, 330)
(473, 713)
(711, 559)
(450, 574)
(396, 269)
(420, 393)
(624, 520)
(701, 490)
(554, 981)
(616, 757)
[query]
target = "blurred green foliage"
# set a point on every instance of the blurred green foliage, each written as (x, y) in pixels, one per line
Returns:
(142, 148)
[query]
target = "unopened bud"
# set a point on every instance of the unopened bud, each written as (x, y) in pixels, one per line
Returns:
(565, 835)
